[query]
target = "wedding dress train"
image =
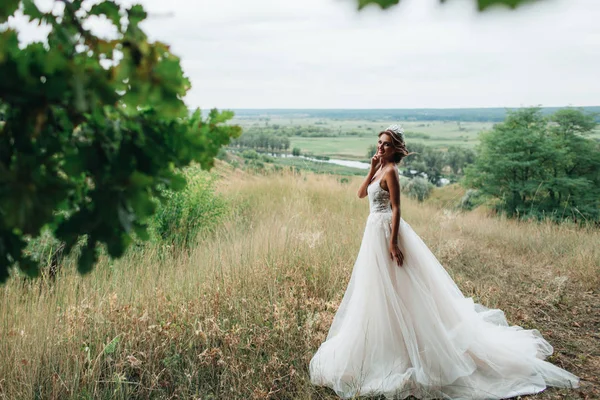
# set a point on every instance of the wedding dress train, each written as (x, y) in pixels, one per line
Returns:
(409, 331)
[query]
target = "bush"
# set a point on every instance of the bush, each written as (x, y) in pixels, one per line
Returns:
(418, 188)
(222, 154)
(187, 213)
(296, 151)
(255, 166)
(250, 154)
(266, 158)
(403, 182)
(472, 199)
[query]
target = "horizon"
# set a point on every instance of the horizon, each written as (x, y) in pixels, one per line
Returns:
(407, 108)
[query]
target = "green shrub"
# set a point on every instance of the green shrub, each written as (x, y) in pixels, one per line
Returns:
(403, 182)
(250, 154)
(196, 209)
(418, 188)
(255, 165)
(266, 158)
(472, 199)
(222, 154)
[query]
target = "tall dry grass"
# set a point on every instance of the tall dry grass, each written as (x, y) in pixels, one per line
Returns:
(240, 315)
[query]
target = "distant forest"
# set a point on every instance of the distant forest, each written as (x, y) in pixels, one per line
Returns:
(416, 114)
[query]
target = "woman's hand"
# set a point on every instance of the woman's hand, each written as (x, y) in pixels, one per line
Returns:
(396, 254)
(374, 162)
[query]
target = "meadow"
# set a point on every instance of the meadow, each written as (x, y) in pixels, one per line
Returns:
(354, 136)
(349, 138)
(239, 313)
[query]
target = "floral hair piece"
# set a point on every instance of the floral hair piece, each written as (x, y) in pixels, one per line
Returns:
(396, 130)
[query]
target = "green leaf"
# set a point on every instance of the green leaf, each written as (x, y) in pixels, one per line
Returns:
(117, 245)
(136, 15)
(7, 8)
(141, 231)
(142, 204)
(381, 3)
(177, 182)
(484, 4)
(30, 9)
(110, 10)
(481, 4)
(112, 346)
(87, 258)
(29, 266)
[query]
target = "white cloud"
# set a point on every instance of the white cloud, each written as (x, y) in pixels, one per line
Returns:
(324, 54)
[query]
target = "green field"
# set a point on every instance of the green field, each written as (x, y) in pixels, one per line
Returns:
(350, 147)
(350, 137)
(353, 137)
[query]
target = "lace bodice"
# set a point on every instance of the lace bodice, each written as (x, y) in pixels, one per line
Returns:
(379, 199)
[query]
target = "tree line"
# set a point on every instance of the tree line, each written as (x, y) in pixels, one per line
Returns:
(260, 140)
(537, 166)
(434, 163)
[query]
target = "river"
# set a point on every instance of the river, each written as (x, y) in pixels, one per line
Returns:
(345, 163)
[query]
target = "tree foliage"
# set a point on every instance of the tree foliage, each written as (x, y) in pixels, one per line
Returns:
(435, 163)
(94, 129)
(272, 142)
(541, 167)
(418, 188)
(482, 5)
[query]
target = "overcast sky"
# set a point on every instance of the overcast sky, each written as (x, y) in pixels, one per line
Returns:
(325, 54)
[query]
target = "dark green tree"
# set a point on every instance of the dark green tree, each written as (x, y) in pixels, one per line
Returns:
(94, 130)
(540, 167)
(457, 158)
(573, 174)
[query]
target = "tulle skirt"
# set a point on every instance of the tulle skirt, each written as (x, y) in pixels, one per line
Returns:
(409, 331)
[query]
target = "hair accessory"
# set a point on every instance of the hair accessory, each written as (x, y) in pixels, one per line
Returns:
(397, 130)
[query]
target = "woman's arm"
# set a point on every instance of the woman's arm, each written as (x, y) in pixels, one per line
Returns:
(362, 190)
(393, 183)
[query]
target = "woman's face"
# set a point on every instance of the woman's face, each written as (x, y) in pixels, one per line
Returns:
(385, 149)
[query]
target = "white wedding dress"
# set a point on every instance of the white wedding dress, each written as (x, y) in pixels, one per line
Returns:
(409, 331)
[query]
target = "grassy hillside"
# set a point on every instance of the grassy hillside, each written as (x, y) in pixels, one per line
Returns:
(240, 314)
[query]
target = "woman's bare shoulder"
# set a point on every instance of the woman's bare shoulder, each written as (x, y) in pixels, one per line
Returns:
(391, 171)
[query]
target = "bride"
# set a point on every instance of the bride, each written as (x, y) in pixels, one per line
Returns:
(404, 328)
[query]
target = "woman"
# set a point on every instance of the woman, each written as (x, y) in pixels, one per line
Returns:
(405, 329)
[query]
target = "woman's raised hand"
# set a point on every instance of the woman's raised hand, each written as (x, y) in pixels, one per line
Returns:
(374, 162)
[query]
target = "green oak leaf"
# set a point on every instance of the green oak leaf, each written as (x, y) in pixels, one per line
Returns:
(381, 3)
(136, 15)
(87, 258)
(30, 9)
(484, 4)
(481, 4)
(7, 8)
(110, 10)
